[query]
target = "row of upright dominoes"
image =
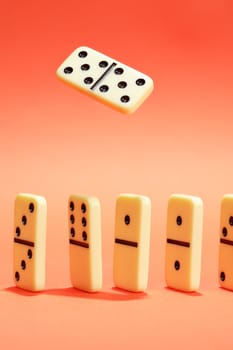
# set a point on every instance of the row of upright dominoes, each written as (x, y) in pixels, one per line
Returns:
(131, 244)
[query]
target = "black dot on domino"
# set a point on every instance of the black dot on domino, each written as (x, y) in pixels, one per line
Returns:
(17, 231)
(231, 220)
(125, 98)
(177, 265)
(85, 67)
(88, 80)
(122, 84)
(84, 235)
(83, 208)
(140, 82)
(24, 220)
(23, 265)
(68, 70)
(72, 232)
(72, 219)
(103, 64)
(224, 231)
(179, 220)
(104, 88)
(29, 253)
(119, 71)
(222, 276)
(72, 206)
(17, 276)
(31, 207)
(82, 54)
(127, 219)
(84, 222)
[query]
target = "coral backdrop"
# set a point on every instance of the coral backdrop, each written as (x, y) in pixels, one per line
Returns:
(55, 141)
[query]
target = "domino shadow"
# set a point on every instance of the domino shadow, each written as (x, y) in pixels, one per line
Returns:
(114, 294)
(22, 292)
(225, 289)
(189, 294)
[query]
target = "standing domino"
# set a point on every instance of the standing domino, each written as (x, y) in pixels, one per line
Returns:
(184, 242)
(106, 79)
(225, 265)
(30, 242)
(132, 242)
(85, 243)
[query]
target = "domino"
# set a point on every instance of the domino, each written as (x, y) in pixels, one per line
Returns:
(184, 242)
(105, 79)
(84, 215)
(30, 242)
(132, 242)
(225, 261)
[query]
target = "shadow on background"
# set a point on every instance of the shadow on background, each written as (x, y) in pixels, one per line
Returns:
(112, 294)
(22, 292)
(190, 294)
(225, 289)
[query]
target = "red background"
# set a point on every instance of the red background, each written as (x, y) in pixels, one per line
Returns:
(55, 141)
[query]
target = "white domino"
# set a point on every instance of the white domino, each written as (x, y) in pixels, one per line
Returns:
(84, 216)
(30, 242)
(225, 263)
(106, 79)
(132, 240)
(184, 242)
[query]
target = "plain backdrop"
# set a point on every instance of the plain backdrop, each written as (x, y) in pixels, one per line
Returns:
(55, 141)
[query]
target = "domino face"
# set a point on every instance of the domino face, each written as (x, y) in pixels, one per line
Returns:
(225, 264)
(184, 242)
(105, 79)
(30, 242)
(84, 215)
(132, 241)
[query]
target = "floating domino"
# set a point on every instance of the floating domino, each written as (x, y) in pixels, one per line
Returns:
(85, 242)
(184, 242)
(132, 239)
(105, 79)
(30, 242)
